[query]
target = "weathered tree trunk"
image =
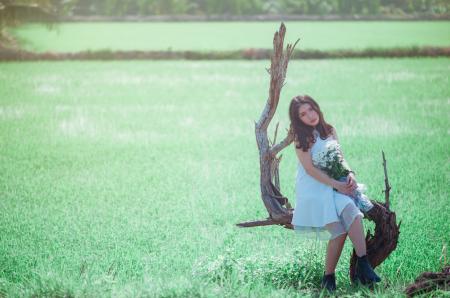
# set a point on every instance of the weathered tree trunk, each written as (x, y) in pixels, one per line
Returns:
(276, 204)
(380, 245)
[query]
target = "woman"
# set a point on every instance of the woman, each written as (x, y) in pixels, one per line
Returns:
(324, 206)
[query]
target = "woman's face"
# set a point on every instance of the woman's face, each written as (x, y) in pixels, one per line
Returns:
(308, 115)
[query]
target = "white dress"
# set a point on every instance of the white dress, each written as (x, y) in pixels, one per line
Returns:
(318, 212)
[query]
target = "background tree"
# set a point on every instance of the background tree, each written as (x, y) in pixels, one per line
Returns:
(15, 12)
(253, 7)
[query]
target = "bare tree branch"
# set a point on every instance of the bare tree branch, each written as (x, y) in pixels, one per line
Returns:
(276, 204)
(386, 183)
(283, 144)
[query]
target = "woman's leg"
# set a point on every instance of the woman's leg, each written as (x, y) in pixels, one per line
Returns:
(334, 250)
(351, 218)
(356, 235)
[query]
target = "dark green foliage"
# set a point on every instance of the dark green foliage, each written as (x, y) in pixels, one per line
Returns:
(253, 54)
(252, 7)
(14, 13)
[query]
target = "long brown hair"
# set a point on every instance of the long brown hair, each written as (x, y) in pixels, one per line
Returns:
(304, 133)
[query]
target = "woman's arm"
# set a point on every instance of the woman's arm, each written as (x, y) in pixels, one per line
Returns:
(306, 161)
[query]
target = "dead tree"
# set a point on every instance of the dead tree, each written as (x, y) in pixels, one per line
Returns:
(380, 245)
(429, 281)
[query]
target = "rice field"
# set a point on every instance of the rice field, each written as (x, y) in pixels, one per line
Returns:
(127, 178)
(220, 36)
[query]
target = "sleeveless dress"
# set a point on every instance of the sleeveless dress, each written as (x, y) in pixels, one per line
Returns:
(318, 212)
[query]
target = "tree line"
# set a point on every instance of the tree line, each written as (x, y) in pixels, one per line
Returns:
(257, 7)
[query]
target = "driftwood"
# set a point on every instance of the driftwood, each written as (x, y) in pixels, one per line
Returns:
(429, 281)
(380, 245)
(276, 204)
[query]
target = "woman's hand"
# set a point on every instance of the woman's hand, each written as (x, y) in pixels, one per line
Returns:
(351, 181)
(343, 187)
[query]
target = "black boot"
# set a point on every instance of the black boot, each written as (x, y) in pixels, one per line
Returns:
(364, 271)
(329, 282)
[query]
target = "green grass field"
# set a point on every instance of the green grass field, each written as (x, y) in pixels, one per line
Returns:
(73, 37)
(127, 178)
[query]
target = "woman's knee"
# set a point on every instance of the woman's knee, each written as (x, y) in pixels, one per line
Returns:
(342, 237)
(350, 214)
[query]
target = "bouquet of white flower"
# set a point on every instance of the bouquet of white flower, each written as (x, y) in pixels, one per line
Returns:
(331, 162)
